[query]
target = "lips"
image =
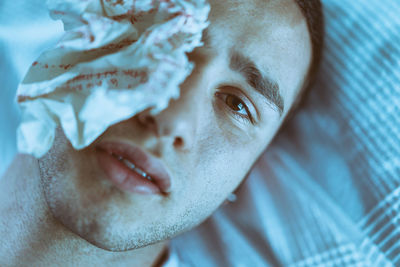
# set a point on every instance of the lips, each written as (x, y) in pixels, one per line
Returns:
(131, 169)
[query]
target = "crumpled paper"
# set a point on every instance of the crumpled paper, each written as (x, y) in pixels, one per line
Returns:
(116, 59)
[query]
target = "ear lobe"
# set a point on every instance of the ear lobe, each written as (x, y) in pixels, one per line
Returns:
(230, 199)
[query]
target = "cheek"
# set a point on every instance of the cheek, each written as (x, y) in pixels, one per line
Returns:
(222, 159)
(69, 176)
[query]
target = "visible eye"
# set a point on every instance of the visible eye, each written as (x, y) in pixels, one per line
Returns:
(235, 105)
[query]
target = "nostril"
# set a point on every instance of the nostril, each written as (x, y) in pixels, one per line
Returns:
(149, 120)
(145, 119)
(178, 142)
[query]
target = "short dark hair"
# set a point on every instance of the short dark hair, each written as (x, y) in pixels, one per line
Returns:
(313, 13)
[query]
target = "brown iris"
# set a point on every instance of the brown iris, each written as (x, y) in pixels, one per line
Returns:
(234, 103)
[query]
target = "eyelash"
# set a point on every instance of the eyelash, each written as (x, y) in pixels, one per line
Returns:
(245, 118)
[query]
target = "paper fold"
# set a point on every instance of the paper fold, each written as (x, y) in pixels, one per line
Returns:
(116, 58)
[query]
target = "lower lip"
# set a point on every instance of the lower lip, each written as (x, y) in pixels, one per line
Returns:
(124, 178)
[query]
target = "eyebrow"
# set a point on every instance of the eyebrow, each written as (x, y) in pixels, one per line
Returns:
(261, 83)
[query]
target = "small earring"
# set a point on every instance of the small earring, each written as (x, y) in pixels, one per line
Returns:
(231, 198)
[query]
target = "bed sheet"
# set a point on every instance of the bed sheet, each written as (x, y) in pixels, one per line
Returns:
(25, 31)
(326, 193)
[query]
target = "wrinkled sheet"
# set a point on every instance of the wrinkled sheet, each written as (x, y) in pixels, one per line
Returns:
(116, 59)
(327, 191)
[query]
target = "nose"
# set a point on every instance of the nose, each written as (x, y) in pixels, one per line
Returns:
(176, 124)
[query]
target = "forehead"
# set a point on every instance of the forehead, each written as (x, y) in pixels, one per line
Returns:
(272, 33)
(255, 19)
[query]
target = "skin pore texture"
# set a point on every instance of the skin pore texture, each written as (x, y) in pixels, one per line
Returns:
(61, 208)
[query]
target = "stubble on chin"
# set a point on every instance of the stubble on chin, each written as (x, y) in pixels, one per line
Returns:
(85, 205)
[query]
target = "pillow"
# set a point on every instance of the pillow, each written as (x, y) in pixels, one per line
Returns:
(25, 31)
(326, 193)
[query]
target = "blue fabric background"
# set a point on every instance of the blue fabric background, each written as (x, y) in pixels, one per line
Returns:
(25, 31)
(326, 193)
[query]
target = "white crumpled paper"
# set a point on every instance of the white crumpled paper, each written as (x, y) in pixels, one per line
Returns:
(117, 58)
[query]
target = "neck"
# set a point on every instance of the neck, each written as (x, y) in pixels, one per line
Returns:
(31, 236)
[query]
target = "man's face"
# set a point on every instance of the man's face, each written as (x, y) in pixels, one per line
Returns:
(246, 78)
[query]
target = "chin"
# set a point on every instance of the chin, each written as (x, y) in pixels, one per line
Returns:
(107, 219)
(91, 208)
(106, 230)
(114, 240)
